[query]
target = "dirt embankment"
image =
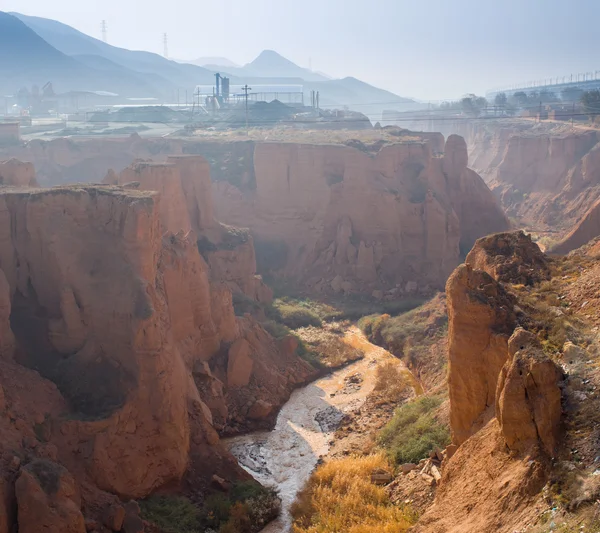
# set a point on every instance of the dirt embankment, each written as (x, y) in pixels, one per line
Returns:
(522, 382)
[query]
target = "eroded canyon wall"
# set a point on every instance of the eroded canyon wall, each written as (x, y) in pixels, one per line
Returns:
(345, 219)
(130, 347)
(505, 395)
(546, 175)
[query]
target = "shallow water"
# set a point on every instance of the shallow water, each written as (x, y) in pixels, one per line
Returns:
(285, 457)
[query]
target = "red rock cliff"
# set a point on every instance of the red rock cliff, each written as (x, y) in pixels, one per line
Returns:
(341, 215)
(128, 335)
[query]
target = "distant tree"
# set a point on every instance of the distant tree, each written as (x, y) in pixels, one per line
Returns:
(520, 99)
(510, 110)
(473, 105)
(547, 97)
(571, 94)
(450, 105)
(591, 102)
(533, 98)
(500, 100)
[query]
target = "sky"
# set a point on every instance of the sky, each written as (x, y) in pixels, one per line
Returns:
(426, 49)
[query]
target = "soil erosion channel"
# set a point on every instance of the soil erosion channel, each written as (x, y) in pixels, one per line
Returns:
(285, 457)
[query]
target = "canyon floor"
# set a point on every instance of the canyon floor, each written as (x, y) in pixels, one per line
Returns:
(305, 432)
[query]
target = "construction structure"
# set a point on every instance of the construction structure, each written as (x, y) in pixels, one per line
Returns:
(233, 94)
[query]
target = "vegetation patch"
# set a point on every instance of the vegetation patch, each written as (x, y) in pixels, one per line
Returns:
(328, 345)
(414, 431)
(172, 514)
(339, 496)
(417, 336)
(247, 508)
(296, 316)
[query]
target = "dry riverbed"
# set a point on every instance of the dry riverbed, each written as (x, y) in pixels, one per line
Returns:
(308, 426)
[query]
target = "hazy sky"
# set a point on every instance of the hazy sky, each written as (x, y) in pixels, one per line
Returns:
(429, 49)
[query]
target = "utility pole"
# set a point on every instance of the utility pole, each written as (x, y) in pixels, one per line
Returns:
(166, 44)
(104, 31)
(245, 88)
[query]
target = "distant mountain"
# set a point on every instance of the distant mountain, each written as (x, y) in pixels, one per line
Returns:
(26, 58)
(44, 50)
(208, 62)
(270, 64)
(167, 75)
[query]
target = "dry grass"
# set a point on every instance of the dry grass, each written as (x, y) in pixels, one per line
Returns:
(547, 315)
(392, 383)
(328, 344)
(340, 497)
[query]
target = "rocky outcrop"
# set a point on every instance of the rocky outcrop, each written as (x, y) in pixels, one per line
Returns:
(48, 499)
(480, 322)
(587, 229)
(17, 173)
(133, 344)
(528, 403)
(325, 213)
(510, 258)
(186, 204)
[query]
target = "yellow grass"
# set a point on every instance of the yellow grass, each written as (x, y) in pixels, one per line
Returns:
(340, 498)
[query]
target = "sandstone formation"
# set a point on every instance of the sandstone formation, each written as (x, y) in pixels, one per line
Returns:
(186, 204)
(547, 175)
(126, 329)
(335, 214)
(505, 400)
(389, 214)
(587, 229)
(511, 258)
(48, 499)
(17, 173)
(491, 373)
(480, 321)
(529, 398)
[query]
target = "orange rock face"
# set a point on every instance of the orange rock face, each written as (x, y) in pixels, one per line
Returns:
(510, 257)
(48, 500)
(17, 173)
(585, 230)
(528, 404)
(490, 371)
(480, 322)
(186, 204)
(116, 314)
(324, 212)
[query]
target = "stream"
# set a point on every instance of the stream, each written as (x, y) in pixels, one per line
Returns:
(285, 457)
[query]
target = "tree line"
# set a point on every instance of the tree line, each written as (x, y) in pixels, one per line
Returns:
(508, 105)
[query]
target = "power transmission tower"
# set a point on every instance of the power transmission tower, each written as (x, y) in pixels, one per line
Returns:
(245, 88)
(166, 43)
(104, 31)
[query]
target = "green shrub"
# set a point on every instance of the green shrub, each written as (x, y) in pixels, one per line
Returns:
(295, 316)
(414, 431)
(247, 508)
(276, 329)
(172, 514)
